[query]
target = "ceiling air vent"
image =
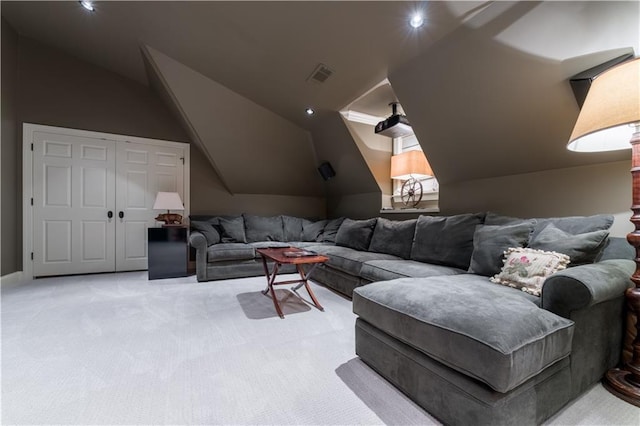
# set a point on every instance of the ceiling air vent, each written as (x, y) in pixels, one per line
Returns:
(320, 74)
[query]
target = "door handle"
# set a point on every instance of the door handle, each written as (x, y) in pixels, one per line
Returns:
(109, 214)
(120, 214)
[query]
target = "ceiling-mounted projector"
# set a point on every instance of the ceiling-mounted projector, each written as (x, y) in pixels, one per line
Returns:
(396, 126)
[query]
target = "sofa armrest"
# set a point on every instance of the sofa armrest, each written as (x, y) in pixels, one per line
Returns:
(199, 242)
(583, 286)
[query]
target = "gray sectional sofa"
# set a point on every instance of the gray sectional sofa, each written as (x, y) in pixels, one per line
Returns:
(432, 319)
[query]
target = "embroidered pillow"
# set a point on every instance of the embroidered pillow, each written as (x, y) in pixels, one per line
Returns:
(527, 269)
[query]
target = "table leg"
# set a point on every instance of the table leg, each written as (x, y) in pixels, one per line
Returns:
(266, 273)
(306, 285)
(271, 277)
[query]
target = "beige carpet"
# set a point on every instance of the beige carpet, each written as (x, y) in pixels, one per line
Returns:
(119, 349)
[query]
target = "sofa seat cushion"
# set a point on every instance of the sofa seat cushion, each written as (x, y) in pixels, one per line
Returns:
(383, 270)
(469, 324)
(230, 251)
(348, 260)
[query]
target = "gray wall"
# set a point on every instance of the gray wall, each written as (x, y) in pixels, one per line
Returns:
(60, 90)
(209, 196)
(9, 254)
(49, 87)
(586, 190)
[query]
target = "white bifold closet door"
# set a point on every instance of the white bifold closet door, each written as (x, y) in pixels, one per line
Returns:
(93, 199)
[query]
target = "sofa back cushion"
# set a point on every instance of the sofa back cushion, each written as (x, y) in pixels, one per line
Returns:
(445, 240)
(208, 229)
(617, 248)
(490, 243)
(262, 228)
(495, 219)
(393, 237)
(232, 230)
(581, 248)
(312, 231)
(356, 234)
(331, 230)
(292, 228)
(575, 224)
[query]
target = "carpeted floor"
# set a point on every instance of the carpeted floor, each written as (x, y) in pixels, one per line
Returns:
(119, 349)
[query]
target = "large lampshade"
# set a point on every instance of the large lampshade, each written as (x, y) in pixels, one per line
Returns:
(410, 164)
(612, 104)
(168, 201)
(609, 120)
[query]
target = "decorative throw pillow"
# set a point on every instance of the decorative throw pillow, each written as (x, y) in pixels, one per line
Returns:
(527, 269)
(356, 234)
(233, 230)
(491, 241)
(261, 228)
(311, 231)
(581, 248)
(575, 225)
(445, 240)
(331, 230)
(208, 230)
(393, 237)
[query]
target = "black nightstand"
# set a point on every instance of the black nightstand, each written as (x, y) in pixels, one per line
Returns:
(168, 252)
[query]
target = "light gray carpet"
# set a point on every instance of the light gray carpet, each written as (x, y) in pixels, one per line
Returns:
(119, 349)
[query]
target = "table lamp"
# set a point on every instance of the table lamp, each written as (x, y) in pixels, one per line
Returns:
(410, 166)
(168, 201)
(610, 120)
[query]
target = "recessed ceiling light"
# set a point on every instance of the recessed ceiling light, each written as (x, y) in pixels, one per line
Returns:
(309, 111)
(88, 5)
(416, 20)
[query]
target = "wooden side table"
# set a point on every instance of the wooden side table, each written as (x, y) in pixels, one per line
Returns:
(168, 252)
(289, 256)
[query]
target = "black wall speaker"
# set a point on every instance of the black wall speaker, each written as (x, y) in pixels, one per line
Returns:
(326, 171)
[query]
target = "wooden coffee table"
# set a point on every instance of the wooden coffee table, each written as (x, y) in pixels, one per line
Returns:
(289, 256)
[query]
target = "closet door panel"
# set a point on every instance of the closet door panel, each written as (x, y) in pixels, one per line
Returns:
(74, 189)
(142, 171)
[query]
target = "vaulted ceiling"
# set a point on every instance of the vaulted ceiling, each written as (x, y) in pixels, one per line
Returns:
(262, 50)
(484, 84)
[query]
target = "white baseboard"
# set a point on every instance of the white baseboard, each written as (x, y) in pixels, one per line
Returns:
(11, 279)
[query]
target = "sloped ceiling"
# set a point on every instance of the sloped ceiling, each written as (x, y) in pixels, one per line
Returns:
(262, 50)
(493, 97)
(253, 150)
(484, 84)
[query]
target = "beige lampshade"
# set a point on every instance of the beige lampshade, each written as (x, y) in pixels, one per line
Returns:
(410, 164)
(611, 105)
(168, 201)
